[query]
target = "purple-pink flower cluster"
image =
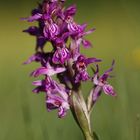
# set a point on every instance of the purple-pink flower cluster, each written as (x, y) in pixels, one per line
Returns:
(57, 26)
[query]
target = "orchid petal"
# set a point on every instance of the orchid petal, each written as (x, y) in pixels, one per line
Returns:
(36, 57)
(47, 71)
(37, 83)
(89, 32)
(33, 18)
(86, 44)
(33, 30)
(92, 60)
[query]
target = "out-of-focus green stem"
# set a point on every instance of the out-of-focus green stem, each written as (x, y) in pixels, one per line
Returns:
(88, 137)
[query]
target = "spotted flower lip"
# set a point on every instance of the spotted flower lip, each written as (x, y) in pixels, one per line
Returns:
(61, 55)
(73, 27)
(51, 30)
(109, 90)
(54, 30)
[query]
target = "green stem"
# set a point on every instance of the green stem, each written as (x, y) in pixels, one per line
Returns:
(88, 136)
(81, 115)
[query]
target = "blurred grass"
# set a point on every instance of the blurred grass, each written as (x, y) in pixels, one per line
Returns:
(23, 115)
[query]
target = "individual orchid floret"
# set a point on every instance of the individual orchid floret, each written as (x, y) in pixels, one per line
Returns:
(50, 86)
(80, 65)
(51, 30)
(102, 81)
(46, 85)
(56, 102)
(56, 97)
(74, 28)
(78, 32)
(61, 55)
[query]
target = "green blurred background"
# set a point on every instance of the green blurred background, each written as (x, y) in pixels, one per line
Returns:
(23, 115)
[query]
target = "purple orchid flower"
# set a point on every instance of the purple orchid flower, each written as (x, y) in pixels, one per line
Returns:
(50, 86)
(51, 30)
(57, 102)
(61, 55)
(73, 27)
(46, 85)
(56, 26)
(78, 32)
(81, 64)
(102, 84)
(57, 96)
